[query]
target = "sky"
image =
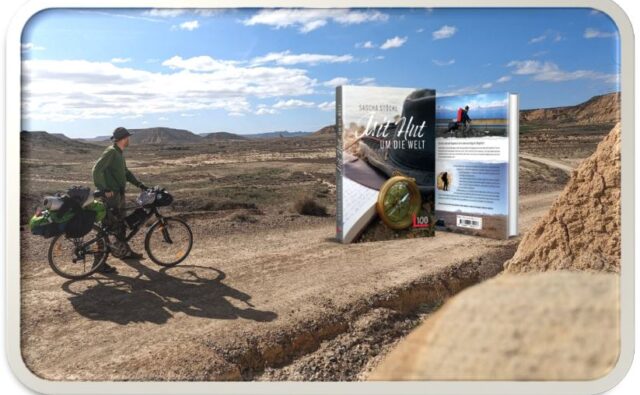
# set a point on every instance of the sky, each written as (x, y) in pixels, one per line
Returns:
(481, 106)
(88, 71)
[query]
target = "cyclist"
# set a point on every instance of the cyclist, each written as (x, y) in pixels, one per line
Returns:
(110, 174)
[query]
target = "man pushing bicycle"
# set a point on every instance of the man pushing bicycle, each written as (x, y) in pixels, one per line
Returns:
(110, 175)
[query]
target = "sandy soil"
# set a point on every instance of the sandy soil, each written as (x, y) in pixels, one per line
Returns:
(241, 302)
(266, 293)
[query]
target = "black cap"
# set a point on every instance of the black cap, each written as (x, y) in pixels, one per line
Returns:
(466, 107)
(120, 133)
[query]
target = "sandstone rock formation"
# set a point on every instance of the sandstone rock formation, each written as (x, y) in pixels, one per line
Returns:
(582, 229)
(600, 109)
(535, 326)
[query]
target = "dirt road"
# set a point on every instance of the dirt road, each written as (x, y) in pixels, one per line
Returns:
(241, 302)
(554, 163)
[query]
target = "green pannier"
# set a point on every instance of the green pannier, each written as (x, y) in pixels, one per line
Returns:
(99, 208)
(52, 223)
(49, 223)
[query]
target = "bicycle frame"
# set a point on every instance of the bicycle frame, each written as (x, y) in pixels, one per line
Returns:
(104, 231)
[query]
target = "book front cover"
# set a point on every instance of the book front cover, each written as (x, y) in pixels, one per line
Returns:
(386, 162)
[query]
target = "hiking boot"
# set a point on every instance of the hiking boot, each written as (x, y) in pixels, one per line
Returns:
(133, 255)
(106, 268)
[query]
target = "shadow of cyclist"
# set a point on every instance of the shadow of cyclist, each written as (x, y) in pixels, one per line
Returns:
(156, 296)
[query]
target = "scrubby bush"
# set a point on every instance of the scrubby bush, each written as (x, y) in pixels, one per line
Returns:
(307, 206)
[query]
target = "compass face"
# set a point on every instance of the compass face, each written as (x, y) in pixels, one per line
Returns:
(398, 201)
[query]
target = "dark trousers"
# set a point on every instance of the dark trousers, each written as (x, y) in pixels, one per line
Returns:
(115, 213)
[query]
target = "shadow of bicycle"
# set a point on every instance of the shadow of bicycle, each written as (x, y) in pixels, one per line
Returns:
(156, 296)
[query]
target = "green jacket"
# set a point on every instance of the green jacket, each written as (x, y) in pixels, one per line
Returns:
(110, 172)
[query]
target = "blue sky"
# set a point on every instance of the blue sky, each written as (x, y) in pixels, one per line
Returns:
(86, 72)
(481, 106)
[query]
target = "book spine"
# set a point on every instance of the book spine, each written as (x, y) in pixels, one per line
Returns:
(514, 163)
(339, 143)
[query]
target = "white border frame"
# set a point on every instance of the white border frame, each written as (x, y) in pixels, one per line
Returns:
(12, 256)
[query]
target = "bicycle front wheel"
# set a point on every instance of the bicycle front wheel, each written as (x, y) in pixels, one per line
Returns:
(168, 241)
(76, 258)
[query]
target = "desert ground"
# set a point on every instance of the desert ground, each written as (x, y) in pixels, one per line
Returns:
(267, 293)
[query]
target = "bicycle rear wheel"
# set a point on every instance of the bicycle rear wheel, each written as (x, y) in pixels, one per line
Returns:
(168, 241)
(76, 258)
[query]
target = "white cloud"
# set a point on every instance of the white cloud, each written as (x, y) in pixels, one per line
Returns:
(266, 111)
(332, 83)
(187, 115)
(236, 114)
(307, 20)
(549, 71)
(553, 35)
(538, 39)
(394, 42)
(286, 58)
(26, 47)
(379, 57)
(443, 62)
(487, 85)
(189, 25)
(163, 119)
(366, 44)
(293, 103)
(198, 63)
(445, 31)
(164, 12)
(504, 78)
(120, 60)
(369, 81)
(420, 30)
(134, 116)
(208, 11)
(327, 106)
(64, 90)
(595, 33)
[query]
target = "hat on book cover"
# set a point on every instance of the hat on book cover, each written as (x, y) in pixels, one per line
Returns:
(409, 153)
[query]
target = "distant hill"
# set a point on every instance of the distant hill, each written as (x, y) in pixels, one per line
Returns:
(270, 135)
(329, 130)
(100, 139)
(40, 140)
(222, 136)
(162, 135)
(597, 110)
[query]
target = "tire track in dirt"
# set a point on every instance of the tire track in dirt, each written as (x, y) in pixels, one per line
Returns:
(242, 302)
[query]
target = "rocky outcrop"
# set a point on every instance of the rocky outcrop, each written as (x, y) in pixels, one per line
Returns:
(597, 110)
(582, 229)
(536, 326)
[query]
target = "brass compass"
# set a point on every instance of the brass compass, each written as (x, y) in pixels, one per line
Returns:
(398, 201)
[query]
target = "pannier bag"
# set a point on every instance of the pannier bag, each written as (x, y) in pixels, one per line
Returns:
(80, 223)
(136, 218)
(72, 213)
(99, 208)
(48, 223)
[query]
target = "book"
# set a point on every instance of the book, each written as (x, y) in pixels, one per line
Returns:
(385, 168)
(477, 164)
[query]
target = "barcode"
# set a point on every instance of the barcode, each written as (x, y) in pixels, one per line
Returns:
(469, 222)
